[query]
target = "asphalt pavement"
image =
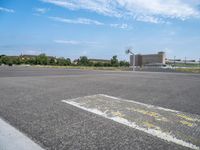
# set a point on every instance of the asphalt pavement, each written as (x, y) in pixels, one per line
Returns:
(31, 101)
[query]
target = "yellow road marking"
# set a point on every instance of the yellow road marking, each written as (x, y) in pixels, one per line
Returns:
(156, 121)
(119, 114)
(189, 124)
(187, 118)
(150, 113)
(150, 125)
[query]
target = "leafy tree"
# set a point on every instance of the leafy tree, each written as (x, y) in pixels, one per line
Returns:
(99, 64)
(124, 63)
(0, 61)
(5, 60)
(114, 61)
(52, 61)
(42, 59)
(107, 64)
(61, 61)
(83, 61)
(10, 63)
(16, 60)
(68, 61)
(31, 61)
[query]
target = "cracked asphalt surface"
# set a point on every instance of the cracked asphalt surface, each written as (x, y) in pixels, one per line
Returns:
(30, 100)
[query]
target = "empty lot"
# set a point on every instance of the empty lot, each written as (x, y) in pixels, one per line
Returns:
(31, 100)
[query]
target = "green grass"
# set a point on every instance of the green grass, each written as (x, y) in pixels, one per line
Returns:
(86, 67)
(191, 70)
(184, 65)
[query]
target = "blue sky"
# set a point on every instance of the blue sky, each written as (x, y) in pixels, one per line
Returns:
(100, 28)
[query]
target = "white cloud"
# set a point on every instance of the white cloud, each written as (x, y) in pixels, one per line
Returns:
(121, 26)
(72, 42)
(142, 10)
(99, 6)
(151, 19)
(87, 21)
(41, 10)
(165, 8)
(6, 10)
(77, 21)
(31, 52)
(67, 42)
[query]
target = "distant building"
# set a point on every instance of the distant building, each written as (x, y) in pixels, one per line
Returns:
(27, 57)
(99, 60)
(142, 60)
(94, 61)
(75, 61)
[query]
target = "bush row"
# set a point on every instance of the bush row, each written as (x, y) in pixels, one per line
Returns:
(42, 59)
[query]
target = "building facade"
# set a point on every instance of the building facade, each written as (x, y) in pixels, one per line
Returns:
(142, 60)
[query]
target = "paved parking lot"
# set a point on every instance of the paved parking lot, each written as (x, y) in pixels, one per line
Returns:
(31, 101)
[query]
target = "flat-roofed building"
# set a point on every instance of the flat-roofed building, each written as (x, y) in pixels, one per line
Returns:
(141, 60)
(99, 60)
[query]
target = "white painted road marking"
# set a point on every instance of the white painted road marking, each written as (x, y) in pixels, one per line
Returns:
(12, 139)
(170, 125)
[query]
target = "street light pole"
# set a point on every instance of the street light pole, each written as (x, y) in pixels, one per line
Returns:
(133, 62)
(174, 62)
(199, 64)
(132, 58)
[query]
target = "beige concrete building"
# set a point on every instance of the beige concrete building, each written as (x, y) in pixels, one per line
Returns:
(141, 60)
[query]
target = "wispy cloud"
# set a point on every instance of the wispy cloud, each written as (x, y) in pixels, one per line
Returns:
(99, 6)
(3, 9)
(31, 52)
(41, 10)
(73, 42)
(87, 21)
(121, 26)
(67, 42)
(150, 19)
(142, 10)
(77, 21)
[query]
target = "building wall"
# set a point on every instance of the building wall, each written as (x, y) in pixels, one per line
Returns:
(131, 60)
(138, 60)
(141, 60)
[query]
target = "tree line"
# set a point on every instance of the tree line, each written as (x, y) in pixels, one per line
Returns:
(42, 59)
